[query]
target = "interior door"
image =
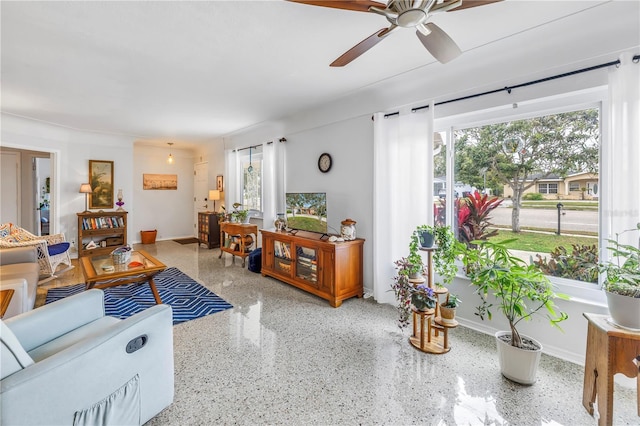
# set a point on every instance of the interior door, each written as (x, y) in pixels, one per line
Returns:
(201, 191)
(10, 188)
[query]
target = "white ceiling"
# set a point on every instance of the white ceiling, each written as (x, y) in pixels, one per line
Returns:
(195, 71)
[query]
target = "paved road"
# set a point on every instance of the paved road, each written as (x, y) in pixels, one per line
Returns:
(572, 220)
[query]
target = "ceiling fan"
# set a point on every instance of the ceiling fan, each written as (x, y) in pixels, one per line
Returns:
(406, 14)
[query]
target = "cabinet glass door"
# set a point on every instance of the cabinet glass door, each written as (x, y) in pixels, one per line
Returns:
(282, 255)
(307, 264)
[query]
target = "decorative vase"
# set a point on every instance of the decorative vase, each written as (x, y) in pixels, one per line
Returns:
(519, 365)
(120, 203)
(348, 229)
(280, 223)
(624, 310)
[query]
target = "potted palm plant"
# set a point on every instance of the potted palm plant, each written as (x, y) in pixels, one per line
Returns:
(622, 281)
(521, 291)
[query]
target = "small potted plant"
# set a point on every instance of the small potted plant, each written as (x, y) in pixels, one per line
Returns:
(240, 215)
(415, 260)
(448, 248)
(409, 295)
(425, 234)
(423, 298)
(448, 309)
(402, 288)
(622, 281)
(521, 291)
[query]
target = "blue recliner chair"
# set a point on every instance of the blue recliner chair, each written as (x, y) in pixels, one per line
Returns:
(68, 363)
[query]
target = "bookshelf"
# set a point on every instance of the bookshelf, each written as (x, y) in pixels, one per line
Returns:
(107, 229)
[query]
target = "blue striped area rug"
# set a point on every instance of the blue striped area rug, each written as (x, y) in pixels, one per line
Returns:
(188, 299)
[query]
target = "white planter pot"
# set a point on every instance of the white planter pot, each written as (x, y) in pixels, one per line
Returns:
(519, 365)
(624, 310)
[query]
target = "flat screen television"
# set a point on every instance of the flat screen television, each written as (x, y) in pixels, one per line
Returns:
(307, 211)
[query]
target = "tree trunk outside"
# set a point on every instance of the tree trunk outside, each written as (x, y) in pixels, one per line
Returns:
(515, 211)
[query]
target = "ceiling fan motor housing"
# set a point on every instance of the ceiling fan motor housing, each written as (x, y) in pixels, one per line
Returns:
(409, 12)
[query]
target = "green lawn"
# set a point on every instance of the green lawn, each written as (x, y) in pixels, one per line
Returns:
(568, 204)
(540, 242)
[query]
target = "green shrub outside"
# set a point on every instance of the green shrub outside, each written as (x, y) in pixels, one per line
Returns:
(534, 196)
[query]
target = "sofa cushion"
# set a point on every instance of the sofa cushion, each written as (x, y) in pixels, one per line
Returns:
(55, 249)
(13, 357)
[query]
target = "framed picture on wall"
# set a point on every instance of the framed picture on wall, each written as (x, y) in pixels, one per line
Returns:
(101, 178)
(219, 183)
(158, 181)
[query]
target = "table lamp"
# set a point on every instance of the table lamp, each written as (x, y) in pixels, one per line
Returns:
(214, 195)
(85, 189)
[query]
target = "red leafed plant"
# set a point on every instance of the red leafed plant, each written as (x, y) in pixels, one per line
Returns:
(473, 216)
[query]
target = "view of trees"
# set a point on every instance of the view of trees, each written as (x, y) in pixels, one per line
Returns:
(520, 153)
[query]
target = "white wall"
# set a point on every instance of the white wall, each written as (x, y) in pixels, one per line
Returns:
(170, 212)
(72, 150)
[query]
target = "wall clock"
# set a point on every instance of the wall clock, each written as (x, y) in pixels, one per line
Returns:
(324, 162)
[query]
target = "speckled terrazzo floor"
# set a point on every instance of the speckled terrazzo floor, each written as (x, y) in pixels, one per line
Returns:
(282, 356)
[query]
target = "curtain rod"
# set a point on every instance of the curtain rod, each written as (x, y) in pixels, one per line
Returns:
(508, 89)
(257, 146)
(247, 147)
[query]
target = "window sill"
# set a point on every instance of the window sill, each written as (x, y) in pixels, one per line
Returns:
(583, 293)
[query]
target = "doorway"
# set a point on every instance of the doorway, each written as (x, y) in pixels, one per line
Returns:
(21, 189)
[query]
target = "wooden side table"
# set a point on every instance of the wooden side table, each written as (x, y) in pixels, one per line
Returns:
(610, 350)
(241, 231)
(5, 299)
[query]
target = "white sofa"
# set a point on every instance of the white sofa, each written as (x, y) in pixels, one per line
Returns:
(19, 271)
(68, 363)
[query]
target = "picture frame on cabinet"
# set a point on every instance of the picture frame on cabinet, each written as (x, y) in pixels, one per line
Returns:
(101, 178)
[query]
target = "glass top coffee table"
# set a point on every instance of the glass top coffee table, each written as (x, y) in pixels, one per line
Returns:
(101, 272)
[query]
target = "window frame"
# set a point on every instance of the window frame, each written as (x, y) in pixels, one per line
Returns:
(560, 103)
(243, 159)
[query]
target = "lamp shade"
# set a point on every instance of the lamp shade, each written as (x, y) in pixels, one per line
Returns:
(214, 194)
(85, 188)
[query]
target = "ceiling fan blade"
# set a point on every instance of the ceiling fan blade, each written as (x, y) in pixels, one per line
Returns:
(439, 44)
(467, 4)
(357, 5)
(362, 47)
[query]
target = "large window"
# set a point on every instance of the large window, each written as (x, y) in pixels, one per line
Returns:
(251, 179)
(514, 158)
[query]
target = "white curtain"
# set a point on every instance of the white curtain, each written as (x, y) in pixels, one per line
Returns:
(232, 190)
(622, 152)
(403, 170)
(273, 181)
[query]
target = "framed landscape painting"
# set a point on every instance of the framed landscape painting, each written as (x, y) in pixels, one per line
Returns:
(101, 178)
(158, 181)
